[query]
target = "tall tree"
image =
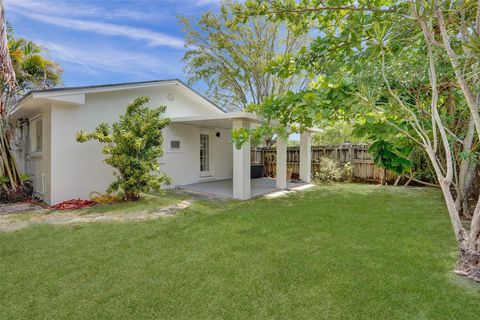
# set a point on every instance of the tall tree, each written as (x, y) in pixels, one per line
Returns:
(408, 70)
(10, 176)
(23, 67)
(232, 59)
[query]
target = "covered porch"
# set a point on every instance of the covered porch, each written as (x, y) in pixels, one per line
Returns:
(241, 186)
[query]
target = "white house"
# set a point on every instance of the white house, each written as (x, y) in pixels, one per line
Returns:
(197, 142)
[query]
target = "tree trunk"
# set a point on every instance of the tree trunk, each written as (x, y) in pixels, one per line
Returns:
(471, 260)
(468, 189)
(8, 166)
(469, 257)
(270, 142)
(468, 264)
(466, 174)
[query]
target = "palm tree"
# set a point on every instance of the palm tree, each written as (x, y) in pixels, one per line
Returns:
(22, 68)
(32, 69)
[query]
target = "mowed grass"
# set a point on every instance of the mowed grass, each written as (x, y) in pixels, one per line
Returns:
(336, 252)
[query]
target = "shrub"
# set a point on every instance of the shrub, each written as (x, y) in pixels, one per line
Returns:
(133, 146)
(332, 171)
(347, 174)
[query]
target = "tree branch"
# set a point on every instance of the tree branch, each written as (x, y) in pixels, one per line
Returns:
(454, 60)
(333, 8)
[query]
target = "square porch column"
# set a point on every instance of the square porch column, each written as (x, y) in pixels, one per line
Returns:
(281, 180)
(241, 165)
(306, 157)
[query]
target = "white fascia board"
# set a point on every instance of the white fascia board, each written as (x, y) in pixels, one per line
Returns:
(69, 98)
(18, 106)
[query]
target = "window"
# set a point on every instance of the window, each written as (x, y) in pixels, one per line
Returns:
(38, 135)
(175, 144)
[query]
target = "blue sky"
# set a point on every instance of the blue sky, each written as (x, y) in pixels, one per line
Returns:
(108, 41)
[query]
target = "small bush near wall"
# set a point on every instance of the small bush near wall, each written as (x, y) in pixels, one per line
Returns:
(132, 146)
(332, 171)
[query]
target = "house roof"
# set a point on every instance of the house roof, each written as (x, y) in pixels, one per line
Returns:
(45, 93)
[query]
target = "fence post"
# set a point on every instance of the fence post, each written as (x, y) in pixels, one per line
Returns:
(350, 153)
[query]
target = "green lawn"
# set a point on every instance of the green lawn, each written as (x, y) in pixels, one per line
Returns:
(336, 252)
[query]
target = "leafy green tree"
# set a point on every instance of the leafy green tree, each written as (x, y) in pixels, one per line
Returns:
(133, 146)
(336, 133)
(23, 67)
(406, 71)
(233, 58)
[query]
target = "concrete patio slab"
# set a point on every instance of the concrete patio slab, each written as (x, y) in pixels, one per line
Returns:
(224, 188)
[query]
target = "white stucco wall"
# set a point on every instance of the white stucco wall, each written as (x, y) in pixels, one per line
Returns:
(78, 169)
(184, 166)
(38, 164)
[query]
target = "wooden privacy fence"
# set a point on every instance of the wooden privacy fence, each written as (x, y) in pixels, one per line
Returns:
(363, 167)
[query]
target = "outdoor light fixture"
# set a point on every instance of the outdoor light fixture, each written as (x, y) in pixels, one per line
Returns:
(218, 134)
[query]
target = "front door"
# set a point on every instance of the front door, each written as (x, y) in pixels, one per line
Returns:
(205, 154)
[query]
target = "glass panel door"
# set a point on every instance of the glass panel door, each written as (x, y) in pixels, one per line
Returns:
(204, 154)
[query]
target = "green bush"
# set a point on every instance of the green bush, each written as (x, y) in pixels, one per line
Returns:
(347, 174)
(133, 146)
(332, 171)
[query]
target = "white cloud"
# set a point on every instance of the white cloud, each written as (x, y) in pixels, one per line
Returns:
(119, 61)
(78, 10)
(153, 38)
(205, 2)
(55, 15)
(103, 57)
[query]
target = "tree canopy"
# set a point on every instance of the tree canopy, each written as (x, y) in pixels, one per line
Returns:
(233, 58)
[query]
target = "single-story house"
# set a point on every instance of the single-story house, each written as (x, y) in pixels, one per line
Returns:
(197, 144)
